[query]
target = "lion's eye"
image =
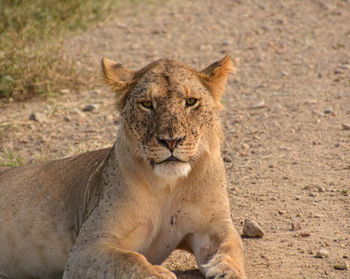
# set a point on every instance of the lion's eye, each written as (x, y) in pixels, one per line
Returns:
(191, 102)
(147, 104)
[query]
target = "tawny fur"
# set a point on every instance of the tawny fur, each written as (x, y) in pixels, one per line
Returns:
(120, 212)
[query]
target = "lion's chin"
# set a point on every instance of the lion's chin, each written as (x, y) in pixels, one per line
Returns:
(172, 169)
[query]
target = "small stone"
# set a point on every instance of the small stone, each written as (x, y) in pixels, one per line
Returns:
(38, 117)
(258, 105)
(311, 102)
(345, 66)
(89, 107)
(252, 229)
(312, 194)
(328, 110)
(134, 46)
(225, 43)
(67, 118)
(64, 91)
(316, 142)
(321, 189)
(317, 215)
(122, 25)
(346, 126)
(245, 146)
(95, 92)
(323, 253)
(227, 159)
(297, 198)
(295, 226)
(341, 266)
(304, 234)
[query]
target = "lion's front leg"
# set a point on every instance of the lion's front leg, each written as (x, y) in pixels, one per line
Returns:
(219, 253)
(102, 260)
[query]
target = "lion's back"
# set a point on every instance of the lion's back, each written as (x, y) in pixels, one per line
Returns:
(38, 213)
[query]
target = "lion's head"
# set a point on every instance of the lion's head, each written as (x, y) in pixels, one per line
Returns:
(169, 108)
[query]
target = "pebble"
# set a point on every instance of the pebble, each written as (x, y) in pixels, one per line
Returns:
(225, 43)
(304, 234)
(328, 110)
(346, 126)
(281, 212)
(341, 266)
(64, 91)
(345, 66)
(316, 142)
(295, 226)
(252, 229)
(67, 118)
(258, 105)
(317, 215)
(38, 117)
(95, 92)
(227, 159)
(310, 102)
(89, 107)
(134, 46)
(245, 146)
(323, 253)
(321, 189)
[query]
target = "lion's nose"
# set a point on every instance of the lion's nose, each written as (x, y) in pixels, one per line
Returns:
(170, 143)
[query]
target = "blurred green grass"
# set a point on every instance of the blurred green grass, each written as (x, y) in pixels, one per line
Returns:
(31, 33)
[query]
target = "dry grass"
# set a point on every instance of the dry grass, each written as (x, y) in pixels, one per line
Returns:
(31, 32)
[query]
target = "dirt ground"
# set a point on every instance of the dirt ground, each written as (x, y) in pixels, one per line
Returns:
(287, 147)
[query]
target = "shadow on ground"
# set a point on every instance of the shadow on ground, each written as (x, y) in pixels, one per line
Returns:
(192, 273)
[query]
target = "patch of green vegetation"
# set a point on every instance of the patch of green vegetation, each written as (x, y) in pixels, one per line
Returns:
(10, 160)
(344, 192)
(31, 32)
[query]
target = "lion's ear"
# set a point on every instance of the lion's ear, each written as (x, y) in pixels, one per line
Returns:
(215, 76)
(118, 77)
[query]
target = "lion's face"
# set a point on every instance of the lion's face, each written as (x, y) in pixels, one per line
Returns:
(168, 108)
(168, 112)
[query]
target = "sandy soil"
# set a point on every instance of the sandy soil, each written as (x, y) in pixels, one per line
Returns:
(287, 149)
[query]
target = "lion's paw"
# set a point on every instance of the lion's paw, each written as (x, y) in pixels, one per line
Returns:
(222, 267)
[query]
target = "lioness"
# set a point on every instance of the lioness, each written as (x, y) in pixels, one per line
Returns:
(119, 212)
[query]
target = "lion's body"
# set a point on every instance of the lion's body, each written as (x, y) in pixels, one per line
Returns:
(117, 213)
(39, 214)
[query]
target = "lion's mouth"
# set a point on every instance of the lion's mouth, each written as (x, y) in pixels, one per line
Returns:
(170, 159)
(172, 167)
